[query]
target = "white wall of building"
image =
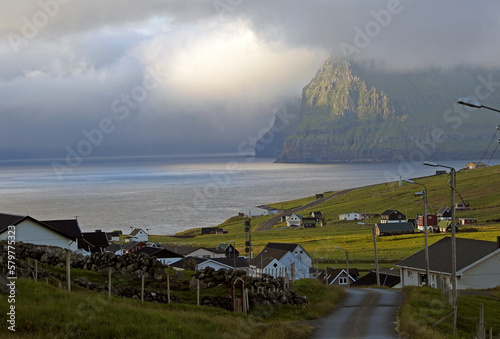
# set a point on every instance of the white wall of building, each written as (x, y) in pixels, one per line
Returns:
(31, 232)
(485, 274)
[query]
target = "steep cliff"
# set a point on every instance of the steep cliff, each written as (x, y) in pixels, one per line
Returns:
(351, 112)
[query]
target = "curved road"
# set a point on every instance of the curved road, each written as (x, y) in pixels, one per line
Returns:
(266, 225)
(364, 313)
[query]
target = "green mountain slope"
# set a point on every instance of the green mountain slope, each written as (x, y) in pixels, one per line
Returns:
(353, 112)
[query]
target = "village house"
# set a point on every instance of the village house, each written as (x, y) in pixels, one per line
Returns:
(444, 226)
(228, 250)
(296, 249)
(467, 221)
(309, 222)
(476, 260)
(317, 214)
(277, 260)
(294, 220)
(432, 222)
(353, 216)
(163, 255)
(318, 217)
(114, 235)
(392, 216)
(60, 233)
(475, 165)
(444, 213)
(133, 246)
(93, 242)
(338, 276)
(114, 248)
(462, 206)
(138, 234)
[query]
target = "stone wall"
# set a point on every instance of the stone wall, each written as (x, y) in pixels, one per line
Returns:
(261, 291)
(130, 264)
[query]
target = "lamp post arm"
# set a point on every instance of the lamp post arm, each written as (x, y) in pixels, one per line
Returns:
(490, 108)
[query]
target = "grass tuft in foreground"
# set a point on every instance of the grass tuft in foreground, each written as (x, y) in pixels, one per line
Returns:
(44, 311)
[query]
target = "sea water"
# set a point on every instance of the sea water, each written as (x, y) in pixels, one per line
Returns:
(168, 194)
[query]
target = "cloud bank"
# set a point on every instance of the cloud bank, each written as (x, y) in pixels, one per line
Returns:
(202, 76)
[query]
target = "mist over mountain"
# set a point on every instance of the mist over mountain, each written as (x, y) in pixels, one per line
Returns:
(352, 111)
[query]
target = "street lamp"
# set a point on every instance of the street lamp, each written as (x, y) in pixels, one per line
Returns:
(347, 263)
(424, 192)
(471, 102)
(453, 242)
(377, 271)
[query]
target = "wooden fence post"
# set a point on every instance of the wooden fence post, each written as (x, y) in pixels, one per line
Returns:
(109, 282)
(198, 292)
(168, 288)
(142, 288)
(68, 270)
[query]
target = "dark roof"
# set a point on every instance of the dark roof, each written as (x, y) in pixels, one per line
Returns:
(468, 252)
(113, 234)
(69, 227)
(132, 244)
(113, 248)
(240, 261)
(281, 246)
(98, 239)
(182, 250)
(158, 252)
(180, 263)
(8, 219)
(136, 230)
(387, 278)
(389, 212)
(444, 210)
(267, 255)
(395, 227)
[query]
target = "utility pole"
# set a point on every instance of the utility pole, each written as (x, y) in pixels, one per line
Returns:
(453, 244)
(453, 251)
(376, 256)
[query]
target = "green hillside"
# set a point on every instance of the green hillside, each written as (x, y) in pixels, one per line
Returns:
(478, 187)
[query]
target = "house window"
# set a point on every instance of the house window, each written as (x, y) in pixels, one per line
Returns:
(410, 273)
(343, 281)
(423, 279)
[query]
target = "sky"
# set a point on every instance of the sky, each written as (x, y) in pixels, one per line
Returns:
(87, 78)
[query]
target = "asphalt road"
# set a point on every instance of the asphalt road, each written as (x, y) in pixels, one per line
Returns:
(364, 313)
(266, 225)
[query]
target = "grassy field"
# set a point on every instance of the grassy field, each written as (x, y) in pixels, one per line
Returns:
(478, 187)
(45, 311)
(424, 306)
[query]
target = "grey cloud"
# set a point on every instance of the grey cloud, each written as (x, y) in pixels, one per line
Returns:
(224, 69)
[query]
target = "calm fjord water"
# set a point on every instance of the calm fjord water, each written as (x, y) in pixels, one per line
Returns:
(174, 193)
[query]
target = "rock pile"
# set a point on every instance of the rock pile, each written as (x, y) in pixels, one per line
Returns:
(261, 291)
